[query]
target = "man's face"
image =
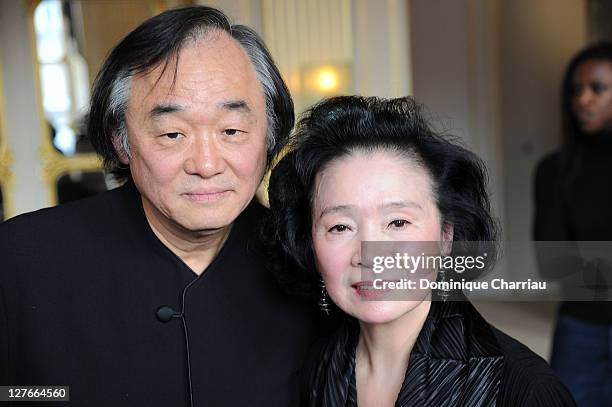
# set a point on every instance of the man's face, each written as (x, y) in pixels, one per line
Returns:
(198, 148)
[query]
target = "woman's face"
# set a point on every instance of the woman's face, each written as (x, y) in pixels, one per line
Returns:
(369, 196)
(592, 95)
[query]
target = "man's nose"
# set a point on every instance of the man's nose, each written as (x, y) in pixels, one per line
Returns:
(205, 158)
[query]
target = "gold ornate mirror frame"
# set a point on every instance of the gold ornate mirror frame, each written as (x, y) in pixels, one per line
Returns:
(54, 164)
(6, 158)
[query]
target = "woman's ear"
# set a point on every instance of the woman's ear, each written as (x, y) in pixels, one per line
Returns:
(447, 232)
(447, 239)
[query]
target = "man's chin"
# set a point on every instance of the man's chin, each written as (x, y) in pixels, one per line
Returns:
(210, 227)
(207, 217)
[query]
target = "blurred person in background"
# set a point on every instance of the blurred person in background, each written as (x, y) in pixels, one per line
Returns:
(573, 198)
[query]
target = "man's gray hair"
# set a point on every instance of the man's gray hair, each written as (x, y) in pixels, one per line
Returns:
(117, 104)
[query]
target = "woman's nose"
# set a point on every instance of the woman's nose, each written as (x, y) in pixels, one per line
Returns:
(363, 245)
(356, 258)
(584, 96)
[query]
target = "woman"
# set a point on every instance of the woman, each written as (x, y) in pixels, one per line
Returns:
(368, 169)
(573, 201)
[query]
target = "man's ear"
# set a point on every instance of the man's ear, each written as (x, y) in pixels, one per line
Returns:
(120, 150)
(447, 238)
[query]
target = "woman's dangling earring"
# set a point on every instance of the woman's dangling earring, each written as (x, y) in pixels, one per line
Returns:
(443, 293)
(324, 301)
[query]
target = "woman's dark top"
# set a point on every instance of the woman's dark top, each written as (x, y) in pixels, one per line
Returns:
(577, 206)
(458, 360)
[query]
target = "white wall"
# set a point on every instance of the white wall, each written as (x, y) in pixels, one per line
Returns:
(22, 123)
(455, 56)
(440, 61)
(537, 40)
(491, 70)
(382, 59)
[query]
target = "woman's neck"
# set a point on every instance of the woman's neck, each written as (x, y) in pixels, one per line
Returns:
(602, 139)
(382, 356)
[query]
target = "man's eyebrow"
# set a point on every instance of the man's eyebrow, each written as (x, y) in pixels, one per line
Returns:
(164, 108)
(237, 104)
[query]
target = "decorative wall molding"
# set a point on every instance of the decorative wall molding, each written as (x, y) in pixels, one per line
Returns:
(7, 177)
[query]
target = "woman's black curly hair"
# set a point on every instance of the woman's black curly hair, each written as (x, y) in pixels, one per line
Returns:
(338, 126)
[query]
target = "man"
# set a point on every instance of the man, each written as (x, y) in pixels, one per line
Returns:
(155, 294)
